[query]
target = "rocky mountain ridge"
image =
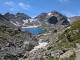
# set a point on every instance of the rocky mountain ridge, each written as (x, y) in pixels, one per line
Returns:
(17, 19)
(5, 21)
(53, 20)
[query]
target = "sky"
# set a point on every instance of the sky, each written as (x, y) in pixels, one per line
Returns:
(35, 7)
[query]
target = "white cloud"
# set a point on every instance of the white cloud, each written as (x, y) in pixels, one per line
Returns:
(61, 1)
(23, 5)
(16, 6)
(9, 3)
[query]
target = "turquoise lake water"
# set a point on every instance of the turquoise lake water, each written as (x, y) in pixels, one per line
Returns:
(35, 30)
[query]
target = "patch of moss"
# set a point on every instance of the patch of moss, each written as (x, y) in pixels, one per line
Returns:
(75, 25)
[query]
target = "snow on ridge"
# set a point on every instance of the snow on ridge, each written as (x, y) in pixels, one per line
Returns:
(16, 24)
(31, 27)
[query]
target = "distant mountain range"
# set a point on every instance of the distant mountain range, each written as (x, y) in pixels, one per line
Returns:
(17, 19)
(50, 18)
(73, 19)
(12, 20)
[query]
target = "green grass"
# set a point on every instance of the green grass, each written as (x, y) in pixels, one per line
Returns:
(68, 38)
(72, 57)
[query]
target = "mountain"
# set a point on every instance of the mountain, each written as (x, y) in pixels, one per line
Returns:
(41, 17)
(53, 19)
(17, 19)
(50, 19)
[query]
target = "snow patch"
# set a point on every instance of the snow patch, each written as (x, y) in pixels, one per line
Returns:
(16, 24)
(30, 27)
(41, 45)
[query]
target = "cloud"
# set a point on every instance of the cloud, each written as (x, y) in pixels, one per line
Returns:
(23, 5)
(9, 3)
(62, 1)
(13, 6)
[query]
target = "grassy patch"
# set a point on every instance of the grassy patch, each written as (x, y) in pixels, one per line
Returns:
(68, 38)
(72, 57)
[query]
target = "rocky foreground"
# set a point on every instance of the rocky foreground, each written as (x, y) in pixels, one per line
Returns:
(17, 45)
(14, 44)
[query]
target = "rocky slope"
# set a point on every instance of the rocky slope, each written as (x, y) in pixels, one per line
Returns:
(14, 44)
(69, 42)
(5, 21)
